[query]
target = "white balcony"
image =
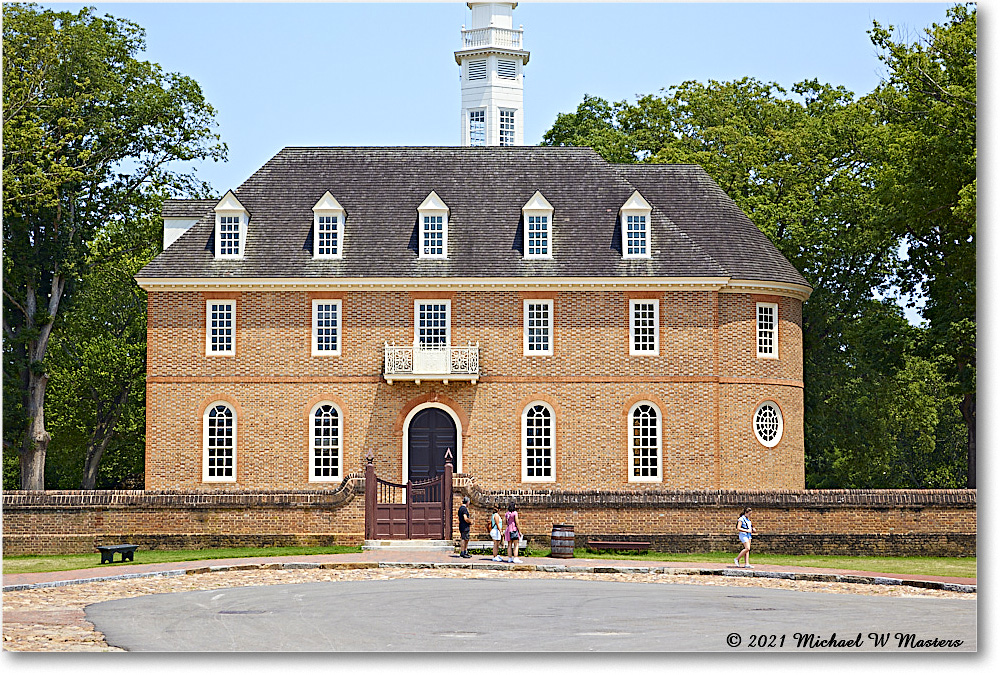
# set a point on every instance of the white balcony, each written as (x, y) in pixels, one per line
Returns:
(416, 363)
(503, 38)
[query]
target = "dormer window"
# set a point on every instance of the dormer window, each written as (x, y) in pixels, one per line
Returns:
(328, 233)
(537, 227)
(635, 220)
(231, 220)
(432, 216)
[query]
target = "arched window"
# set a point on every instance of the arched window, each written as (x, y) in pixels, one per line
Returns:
(219, 462)
(538, 442)
(645, 455)
(767, 424)
(324, 443)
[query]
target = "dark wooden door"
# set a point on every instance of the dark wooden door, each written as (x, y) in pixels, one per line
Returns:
(432, 431)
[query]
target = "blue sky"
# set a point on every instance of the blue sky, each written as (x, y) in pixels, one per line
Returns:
(384, 74)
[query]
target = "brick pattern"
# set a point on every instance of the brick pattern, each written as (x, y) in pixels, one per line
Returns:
(886, 522)
(706, 382)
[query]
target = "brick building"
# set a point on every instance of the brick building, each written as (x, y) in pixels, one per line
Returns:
(556, 321)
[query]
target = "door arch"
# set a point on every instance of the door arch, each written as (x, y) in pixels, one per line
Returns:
(430, 430)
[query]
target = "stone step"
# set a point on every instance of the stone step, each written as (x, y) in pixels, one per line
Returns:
(408, 545)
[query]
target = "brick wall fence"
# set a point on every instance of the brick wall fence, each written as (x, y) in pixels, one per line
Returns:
(844, 522)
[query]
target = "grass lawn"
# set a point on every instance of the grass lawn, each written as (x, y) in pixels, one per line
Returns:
(58, 563)
(939, 567)
(944, 567)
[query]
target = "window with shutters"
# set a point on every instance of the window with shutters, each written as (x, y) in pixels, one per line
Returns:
(219, 452)
(767, 330)
(506, 70)
(538, 443)
(644, 328)
(538, 327)
(324, 443)
(477, 70)
(645, 453)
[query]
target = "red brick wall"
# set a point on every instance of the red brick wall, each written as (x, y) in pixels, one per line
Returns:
(854, 522)
(706, 381)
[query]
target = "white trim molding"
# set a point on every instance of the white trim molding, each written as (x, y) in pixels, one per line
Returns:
(234, 421)
(226, 334)
(632, 304)
(766, 324)
(525, 478)
(545, 323)
(337, 446)
(632, 436)
(636, 219)
(337, 322)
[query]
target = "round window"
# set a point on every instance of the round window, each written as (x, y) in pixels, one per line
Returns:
(767, 424)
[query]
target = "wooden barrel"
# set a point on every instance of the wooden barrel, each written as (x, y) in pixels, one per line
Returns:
(562, 541)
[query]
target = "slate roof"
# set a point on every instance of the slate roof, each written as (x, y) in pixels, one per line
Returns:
(695, 229)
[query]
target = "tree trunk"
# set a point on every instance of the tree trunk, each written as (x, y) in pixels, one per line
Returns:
(36, 438)
(968, 408)
(101, 437)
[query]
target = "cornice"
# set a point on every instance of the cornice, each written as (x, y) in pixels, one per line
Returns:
(711, 284)
(486, 50)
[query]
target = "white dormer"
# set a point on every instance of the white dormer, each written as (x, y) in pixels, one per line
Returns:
(432, 216)
(537, 227)
(635, 219)
(231, 221)
(328, 228)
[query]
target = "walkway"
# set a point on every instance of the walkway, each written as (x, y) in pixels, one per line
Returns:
(396, 558)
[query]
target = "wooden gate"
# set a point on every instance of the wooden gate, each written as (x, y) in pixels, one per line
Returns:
(414, 510)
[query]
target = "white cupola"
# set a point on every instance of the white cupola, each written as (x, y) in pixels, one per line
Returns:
(492, 59)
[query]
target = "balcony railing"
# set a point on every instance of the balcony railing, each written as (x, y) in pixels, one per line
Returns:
(505, 38)
(416, 363)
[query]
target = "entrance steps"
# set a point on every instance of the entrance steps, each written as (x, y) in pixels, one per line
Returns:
(401, 545)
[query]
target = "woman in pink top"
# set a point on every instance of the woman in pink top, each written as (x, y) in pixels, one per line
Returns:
(512, 533)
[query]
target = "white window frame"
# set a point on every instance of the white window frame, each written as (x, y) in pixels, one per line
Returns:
(513, 127)
(781, 424)
(208, 328)
(432, 206)
(316, 351)
(658, 478)
(313, 478)
(537, 206)
(636, 206)
(416, 319)
(230, 207)
(626, 236)
(205, 478)
(525, 478)
(549, 329)
(632, 304)
(762, 352)
(472, 142)
(328, 207)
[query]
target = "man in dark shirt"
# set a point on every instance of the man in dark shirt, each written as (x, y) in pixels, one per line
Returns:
(464, 526)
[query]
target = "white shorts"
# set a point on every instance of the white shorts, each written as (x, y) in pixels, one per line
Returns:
(495, 534)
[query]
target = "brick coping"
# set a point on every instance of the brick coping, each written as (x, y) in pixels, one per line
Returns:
(579, 565)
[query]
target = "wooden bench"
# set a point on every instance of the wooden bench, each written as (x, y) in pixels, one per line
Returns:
(619, 545)
(108, 552)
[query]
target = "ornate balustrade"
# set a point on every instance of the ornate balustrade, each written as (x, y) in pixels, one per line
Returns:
(505, 38)
(416, 363)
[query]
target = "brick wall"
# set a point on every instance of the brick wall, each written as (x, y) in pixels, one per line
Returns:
(848, 522)
(706, 382)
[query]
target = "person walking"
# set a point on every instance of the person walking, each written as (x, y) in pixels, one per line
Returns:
(464, 526)
(746, 531)
(513, 533)
(496, 532)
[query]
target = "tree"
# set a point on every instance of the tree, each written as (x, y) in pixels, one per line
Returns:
(806, 166)
(928, 186)
(89, 134)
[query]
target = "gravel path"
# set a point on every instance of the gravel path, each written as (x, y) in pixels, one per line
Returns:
(52, 619)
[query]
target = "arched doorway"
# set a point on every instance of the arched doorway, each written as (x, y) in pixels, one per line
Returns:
(431, 432)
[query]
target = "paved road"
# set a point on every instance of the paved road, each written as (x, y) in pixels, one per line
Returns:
(483, 615)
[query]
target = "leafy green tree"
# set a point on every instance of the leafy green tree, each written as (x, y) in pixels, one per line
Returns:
(90, 133)
(928, 186)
